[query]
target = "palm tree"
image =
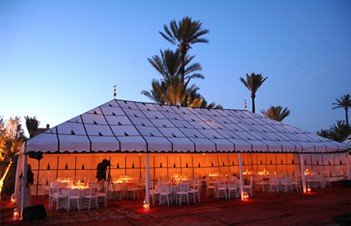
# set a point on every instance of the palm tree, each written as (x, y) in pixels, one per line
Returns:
(276, 113)
(169, 64)
(171, 88)
(324, 133)
(252, 83)
(340, 131)
(184, 34)
(344, 102)
(174, 92)
(32, 125)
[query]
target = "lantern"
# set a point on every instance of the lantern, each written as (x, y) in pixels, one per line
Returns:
(15, 214)
(146, 206)
(13, 199)
(245, 196)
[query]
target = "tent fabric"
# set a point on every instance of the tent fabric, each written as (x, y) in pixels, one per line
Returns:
(347, 142)
(129, 126)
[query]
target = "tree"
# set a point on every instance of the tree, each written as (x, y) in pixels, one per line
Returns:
(337, 132)
(277, 113)
(340, 131)
(324, 133)
(252, 83)
(172, 89)
(11, 140)
(345, 103)
(32, 125)
(184, 34)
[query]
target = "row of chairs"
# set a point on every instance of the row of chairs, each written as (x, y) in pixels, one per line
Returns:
(285, 184)
(76, 198)
(183, 192)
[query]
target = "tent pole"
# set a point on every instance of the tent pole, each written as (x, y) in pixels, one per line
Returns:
(302, 166)
(241, 177)
(23, 184)
(147, 174)
(348, 165)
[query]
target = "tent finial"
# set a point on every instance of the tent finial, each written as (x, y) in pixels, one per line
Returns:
(114, 91)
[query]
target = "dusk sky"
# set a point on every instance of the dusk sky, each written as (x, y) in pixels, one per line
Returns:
(59, 59)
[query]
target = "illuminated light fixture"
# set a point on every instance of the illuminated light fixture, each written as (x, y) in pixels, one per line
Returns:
(245, 196)
(309, 190)
(15, 214)
(13, 199)
(146, 206)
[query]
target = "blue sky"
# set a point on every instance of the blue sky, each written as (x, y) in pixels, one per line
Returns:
(59, 59)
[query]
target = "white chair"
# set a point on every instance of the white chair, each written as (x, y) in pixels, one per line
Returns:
(320, 182)
(232, 189)
(164, 191)
(120, 190)
(327, 181)
(90, 197)
(286, 184)
(273, 184)
(74, 197)
(249, 187)
(221, 190)
(311, 181)
(262, 184)
(56, 196)
(194, 192)
(183, 192)
(132, 190)
(210, 188)
(295, 184)
(154, 192)
(102, 196)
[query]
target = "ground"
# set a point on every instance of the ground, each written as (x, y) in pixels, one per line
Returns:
(316, 208)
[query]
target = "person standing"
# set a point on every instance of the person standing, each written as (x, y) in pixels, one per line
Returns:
(101, 173)
(29, 183)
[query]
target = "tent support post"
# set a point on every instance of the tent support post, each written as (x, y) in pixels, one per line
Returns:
(23, 183)
(348, 165)
(241, 177)
(303, 179)
(147, 180)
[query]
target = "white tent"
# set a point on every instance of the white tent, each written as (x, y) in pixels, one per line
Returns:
(347, 142)
(120, 126)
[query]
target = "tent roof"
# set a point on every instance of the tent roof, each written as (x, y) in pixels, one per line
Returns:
(347, 142)
(129, 126)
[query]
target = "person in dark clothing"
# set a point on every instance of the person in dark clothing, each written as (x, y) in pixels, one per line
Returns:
(101, 172)
(29, 183)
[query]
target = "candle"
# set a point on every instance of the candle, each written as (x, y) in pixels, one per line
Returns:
(13, 200)
(15, 213)
(146, 206)
(245, 196)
